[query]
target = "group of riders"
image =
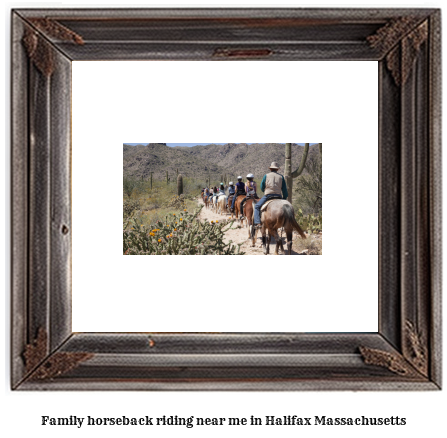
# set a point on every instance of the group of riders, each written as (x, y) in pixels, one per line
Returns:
(273, 185)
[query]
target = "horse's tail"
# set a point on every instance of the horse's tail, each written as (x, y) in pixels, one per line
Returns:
(290, 219)
(253, 230)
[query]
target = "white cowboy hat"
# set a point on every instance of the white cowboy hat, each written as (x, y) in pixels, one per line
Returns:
(231, 183)
(274, 165)
(250, 175)
(239, 177)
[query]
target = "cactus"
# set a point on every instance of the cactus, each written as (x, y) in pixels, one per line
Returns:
(182, 233)
(167, 178)
(151, 179)
(310, 223)
(179, 185)
(288, 174)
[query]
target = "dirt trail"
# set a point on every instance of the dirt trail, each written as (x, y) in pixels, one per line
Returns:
(240, 235)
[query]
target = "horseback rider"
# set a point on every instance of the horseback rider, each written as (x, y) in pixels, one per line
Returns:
(240, 190)
(218, 192)
(231, 189)
(250, 189)
(250, 186)
(273, 184)
(221, 190)
(231, 192)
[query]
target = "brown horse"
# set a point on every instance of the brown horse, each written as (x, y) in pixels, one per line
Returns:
(278, 214)
(237, 207)
(205, 201)
(249, 210)
(229, 202)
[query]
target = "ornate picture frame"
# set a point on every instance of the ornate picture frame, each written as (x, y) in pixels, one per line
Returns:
(405, 353)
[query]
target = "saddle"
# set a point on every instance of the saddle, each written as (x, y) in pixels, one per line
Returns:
(266, 203)
(254, 196)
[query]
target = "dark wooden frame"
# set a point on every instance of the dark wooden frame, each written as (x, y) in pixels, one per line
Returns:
(405, 354)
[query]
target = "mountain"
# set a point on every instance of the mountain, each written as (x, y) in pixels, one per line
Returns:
(232, 159)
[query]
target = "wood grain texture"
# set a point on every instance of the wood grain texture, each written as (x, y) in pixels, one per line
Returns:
(435, 195)
(60, 202)
(409, 336)
(39, 201)
(19, 201)
(389, 207)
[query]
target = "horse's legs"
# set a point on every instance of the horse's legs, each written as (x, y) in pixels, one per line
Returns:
(269, 238)
(281, 243)
(253, 240)
(278, 241)
(289, 242)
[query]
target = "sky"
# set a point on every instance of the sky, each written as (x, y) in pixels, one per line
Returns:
(191, 144)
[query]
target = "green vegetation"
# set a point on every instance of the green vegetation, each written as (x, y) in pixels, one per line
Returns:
(157, 221)
(310, 223)
(130, 185)
(151, 195)
(129, 206)
(309, 187)
(179, 185)
(179, 234)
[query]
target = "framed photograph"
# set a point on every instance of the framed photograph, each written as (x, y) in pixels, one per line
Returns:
(180, 199)
(52, 351)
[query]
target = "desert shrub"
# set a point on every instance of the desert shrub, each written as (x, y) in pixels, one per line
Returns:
(177, 202)
(313, 244)
(310, 223)
(309, 187)
(129, 185)
(180, 233)
(129, 207)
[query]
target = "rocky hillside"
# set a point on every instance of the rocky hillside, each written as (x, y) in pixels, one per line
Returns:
(200, 161)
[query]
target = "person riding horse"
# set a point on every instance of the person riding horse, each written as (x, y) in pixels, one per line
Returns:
(221, 190)
(240, 190)
(273, 184)
(218, 192)
(215, 193)
(231, 189)
(250, 189)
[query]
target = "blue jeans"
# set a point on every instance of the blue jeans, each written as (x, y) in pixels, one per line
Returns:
(234, 198)
(260, 203)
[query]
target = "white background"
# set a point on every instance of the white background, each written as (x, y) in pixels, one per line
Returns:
(335, 103)
(20, 412)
